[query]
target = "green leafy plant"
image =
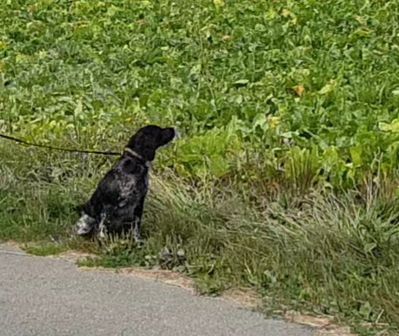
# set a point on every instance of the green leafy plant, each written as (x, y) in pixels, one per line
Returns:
(286, 177)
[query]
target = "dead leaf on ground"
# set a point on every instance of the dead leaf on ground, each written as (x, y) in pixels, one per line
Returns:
(299, 90)
(226, 38)
(325, 325)
(243, 296)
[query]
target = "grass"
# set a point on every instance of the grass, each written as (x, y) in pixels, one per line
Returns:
(44, 250)
(286, 177)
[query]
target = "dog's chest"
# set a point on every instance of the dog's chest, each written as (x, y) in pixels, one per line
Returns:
(131, 188)
(127, 185)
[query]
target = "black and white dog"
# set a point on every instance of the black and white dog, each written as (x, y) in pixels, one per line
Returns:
(116, 206)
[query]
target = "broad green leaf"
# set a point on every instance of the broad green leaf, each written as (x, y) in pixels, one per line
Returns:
(393, 126)
(219, 3)
(241, 82)
(328, 88)
(356, 155)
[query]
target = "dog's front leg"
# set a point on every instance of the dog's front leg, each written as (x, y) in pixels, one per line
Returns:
(102, 230)
(137, 215)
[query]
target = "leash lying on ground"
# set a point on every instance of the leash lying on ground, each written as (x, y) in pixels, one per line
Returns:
(71, 150)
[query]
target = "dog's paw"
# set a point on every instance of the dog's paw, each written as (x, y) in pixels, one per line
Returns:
(137, 237)
(101, 234)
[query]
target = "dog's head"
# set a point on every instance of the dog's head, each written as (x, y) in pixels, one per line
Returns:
(149, 138)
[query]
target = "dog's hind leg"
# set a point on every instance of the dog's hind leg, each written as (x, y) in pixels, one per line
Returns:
(85, 225)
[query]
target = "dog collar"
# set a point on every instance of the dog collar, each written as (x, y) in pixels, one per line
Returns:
(135, 154)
